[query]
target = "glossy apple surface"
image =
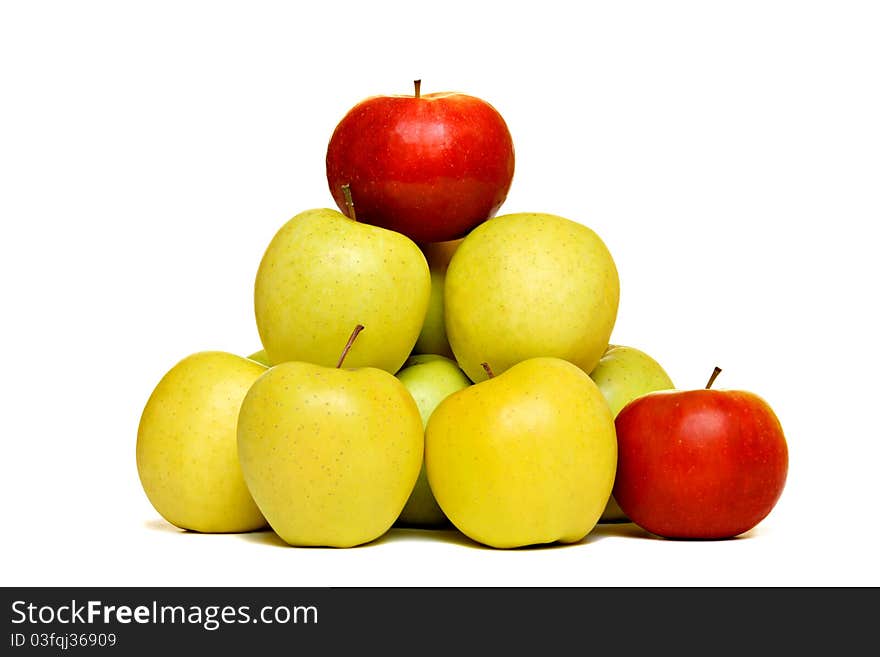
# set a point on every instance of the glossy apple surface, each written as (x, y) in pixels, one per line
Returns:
(700, 463)
(430, 166)
(524, 458)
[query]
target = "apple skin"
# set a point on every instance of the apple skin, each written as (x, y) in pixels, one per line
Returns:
(429, 381)
(528, 285)
(432, 338)
(322, 274)
(624, 373)
(699, 464)
(429, 166)
(524, 458)
(330, 455)
(187, 458)
(260, 357)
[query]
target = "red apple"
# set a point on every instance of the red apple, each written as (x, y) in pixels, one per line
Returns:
(429, 166)
(699, 463)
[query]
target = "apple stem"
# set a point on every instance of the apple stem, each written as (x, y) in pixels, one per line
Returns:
(488, 369)
(418, 85)
(349, 202)
(354, 334)
(714, 376)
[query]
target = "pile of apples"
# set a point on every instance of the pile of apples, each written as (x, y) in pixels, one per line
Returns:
(427, 361)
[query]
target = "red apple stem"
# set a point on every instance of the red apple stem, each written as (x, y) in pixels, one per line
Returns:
(714, 376)
(351, 338)
(349, 201)
(488, 369)
(418, 85)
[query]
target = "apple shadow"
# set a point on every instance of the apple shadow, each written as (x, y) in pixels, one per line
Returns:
(444, 534)
(620, 529)
(162, 525)
(451, 535)
(632, 530)
(265, 537)
(269, 537)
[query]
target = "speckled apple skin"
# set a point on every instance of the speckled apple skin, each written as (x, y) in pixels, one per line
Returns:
(187, 454)
(330, 455)
(525, 458)
(323, 274)
(527, 285)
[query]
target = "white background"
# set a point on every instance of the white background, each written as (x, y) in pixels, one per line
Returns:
(728, 154)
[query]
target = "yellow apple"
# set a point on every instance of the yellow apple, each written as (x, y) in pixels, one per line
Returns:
(526, 457)
(330, 455)
(187, 457)
(323, 273)
(526, 285)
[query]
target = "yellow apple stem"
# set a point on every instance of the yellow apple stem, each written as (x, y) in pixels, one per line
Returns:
(349, 202)
(354, 334)
(488, 369)
(714, 376)
(418, 85)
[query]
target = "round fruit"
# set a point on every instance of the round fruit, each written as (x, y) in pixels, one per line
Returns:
(187, 455)
(526, 285)
(699, 463)
(429, 166)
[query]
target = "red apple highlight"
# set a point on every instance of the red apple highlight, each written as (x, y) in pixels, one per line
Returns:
(703, 463)
(429, 166)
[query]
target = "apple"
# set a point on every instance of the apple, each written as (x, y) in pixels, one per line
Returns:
(526, 285)
(187, 457)
(430, 166)
(418, 359)
(429, 381)
(432, 338)
(526, 457)
(624, 373)
(701, 463)
(323, 273)
(330, 455)
(260, 357)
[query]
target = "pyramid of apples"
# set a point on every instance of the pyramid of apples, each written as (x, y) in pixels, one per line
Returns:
(426, 361)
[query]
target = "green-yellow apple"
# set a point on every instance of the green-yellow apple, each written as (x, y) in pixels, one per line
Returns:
(261, 357)
(524, 458)
(330, 455)
(187, 457)
(432, 339)
(323, 273)
(526, 285)
(417, 359)
(623, 374)
(429, 383)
